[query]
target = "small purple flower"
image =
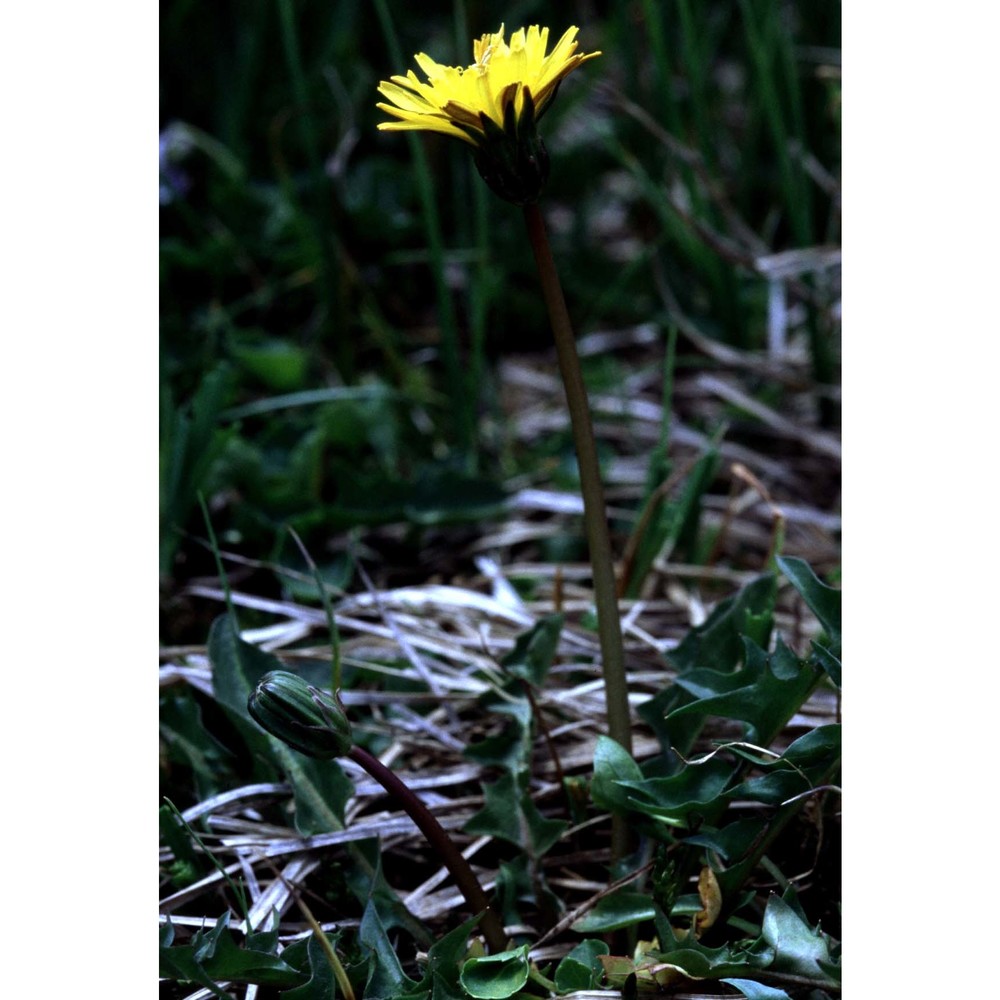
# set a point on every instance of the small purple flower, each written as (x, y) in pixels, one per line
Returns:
(175, 144)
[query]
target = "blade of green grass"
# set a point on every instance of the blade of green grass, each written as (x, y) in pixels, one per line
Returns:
(763, 35)
(322, 192)
(462, 395)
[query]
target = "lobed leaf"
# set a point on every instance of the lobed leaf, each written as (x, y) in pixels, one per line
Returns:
(755, 694)
(509, 813)
(581, 969)
(799, 949)
(621, 909)
(674, 800)
(496, 977)
(534, 651)
(321, 982)
(612, 766)
(757, 991)
(386, 979)
(823, 601)
(718, 642)
(213, 955)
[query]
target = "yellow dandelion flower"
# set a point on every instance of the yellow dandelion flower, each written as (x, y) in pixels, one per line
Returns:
(493, 104)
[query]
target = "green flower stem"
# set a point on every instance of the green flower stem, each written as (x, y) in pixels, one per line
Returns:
(594, 510)
(460, 869)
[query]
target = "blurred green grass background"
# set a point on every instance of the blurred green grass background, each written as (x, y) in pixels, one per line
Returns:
(335, 300)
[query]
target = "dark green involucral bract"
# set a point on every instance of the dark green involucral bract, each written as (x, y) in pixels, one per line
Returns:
(300, 715)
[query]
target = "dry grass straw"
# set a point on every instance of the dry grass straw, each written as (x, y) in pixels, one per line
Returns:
(451, 632)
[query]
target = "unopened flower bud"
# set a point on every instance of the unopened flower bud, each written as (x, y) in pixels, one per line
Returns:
(300, 715)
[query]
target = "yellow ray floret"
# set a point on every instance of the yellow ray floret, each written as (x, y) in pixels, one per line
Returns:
(453, 98)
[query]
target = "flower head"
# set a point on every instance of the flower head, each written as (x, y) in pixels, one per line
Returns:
(493, 105)
(300, 715)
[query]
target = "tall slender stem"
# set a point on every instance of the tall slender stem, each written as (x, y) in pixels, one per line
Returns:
(594, 510)
(460, 869)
